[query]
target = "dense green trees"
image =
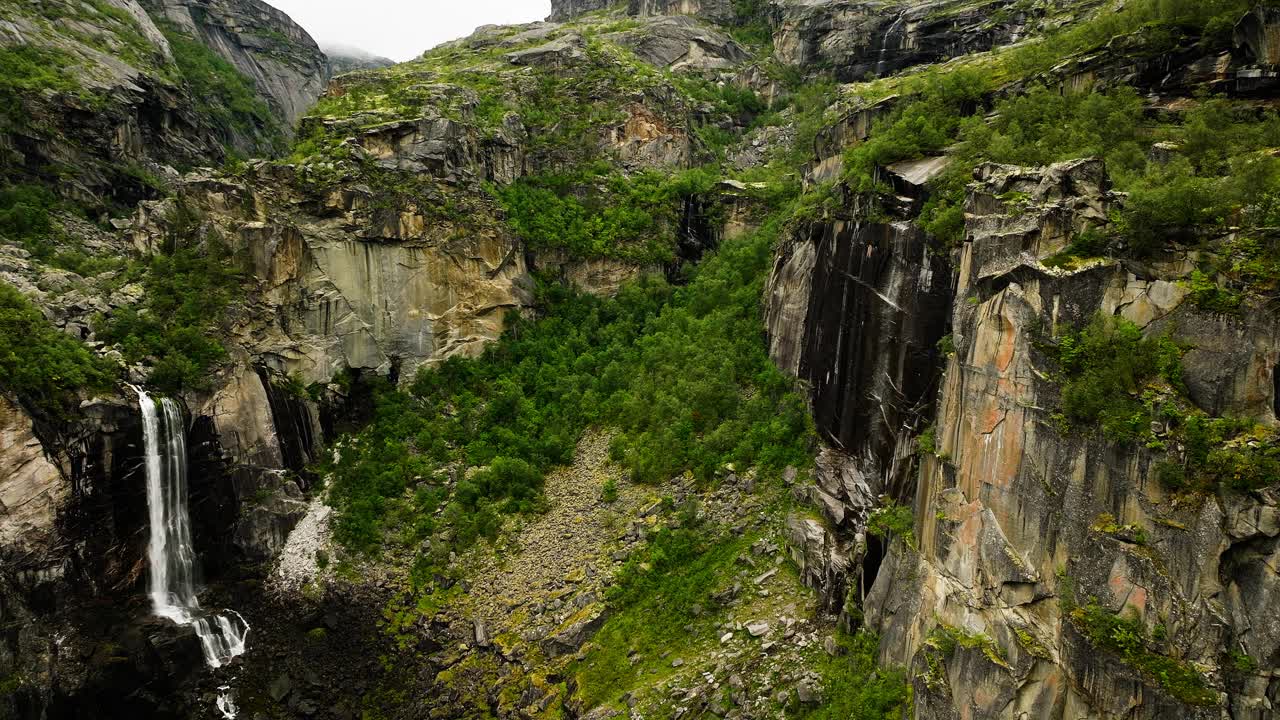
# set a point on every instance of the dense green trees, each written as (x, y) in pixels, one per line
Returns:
(45, 368)
(1107, 366)
(923, 125)
(595, 211)
(680, 373)
(26, 216)
(187, 290)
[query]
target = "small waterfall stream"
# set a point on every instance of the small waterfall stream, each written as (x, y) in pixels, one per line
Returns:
(170, 551)
(882, 64)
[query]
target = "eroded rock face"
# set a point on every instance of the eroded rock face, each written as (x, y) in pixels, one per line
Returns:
(31, 487)
(1007, 511)
(562, 10)
(856, 310)
(717, 11)
(121, 102)
(860, 39)
(682, 43)
(262, 42)
(1257, 40)
(138, 117)
(357, 286)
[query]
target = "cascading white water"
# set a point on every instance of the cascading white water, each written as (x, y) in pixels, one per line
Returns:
(170, 551)
(884, 43)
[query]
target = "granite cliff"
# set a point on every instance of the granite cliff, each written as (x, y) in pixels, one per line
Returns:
(767, 358)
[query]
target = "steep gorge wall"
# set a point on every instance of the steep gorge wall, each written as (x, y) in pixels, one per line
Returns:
(1008, 512)
(856, 310)
(1015, 520)
(1018, 522)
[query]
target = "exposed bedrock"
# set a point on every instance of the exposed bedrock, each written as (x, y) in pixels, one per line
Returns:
(861, 39)
(131, 107)
(856, 311)
(1008, 510)
(263, 43)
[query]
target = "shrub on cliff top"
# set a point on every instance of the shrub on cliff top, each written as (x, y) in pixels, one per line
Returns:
(44, 367)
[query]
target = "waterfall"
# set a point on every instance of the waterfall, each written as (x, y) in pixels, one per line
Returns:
(172, 557)
(884, 43)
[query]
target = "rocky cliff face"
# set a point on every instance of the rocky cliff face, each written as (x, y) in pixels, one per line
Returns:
(113, 109)
(717, 11)
(856, 310)
(1009, 509)
(1026, 534)
(862, 40)
(1015, 565)
(345, 59)
(263, 43)
(118, 110)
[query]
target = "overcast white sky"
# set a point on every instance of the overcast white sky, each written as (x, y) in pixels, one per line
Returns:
(402, 29)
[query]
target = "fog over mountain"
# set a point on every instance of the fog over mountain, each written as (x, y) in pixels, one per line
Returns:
(403, 29)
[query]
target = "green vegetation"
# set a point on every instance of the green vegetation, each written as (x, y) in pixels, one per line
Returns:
(598, 213)
(221, 92)
(856, 687)
(1241, 663)
(1242, 269)
(27, 70)
(609, 491)
(926, 124)
(656, 596)
(947, 639)
(682, 373)
(1211, 172)
(1143, 27)
(559, 108)
(751, 23)
(188, 287)
(1031, 644)
(1127, 638)
(893, 520)
(943, 642)
(1120, 382)
(45, 368)
(1107, 367)
(927, 442)
(26, 216)
(1106, 524)
(1220, 453)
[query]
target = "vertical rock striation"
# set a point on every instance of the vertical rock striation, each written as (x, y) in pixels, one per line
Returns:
(263, 43)
(1013, 516)
(856, 311)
